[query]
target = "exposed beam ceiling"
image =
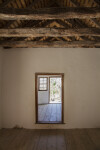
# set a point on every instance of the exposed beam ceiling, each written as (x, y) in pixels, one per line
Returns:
(50, 23)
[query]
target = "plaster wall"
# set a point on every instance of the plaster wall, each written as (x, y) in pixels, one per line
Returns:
(81, 68)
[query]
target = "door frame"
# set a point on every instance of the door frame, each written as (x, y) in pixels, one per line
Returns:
(36, 97)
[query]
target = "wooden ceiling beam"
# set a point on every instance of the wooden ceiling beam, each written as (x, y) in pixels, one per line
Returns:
(52, 32)
(58, 44)
(49, 13)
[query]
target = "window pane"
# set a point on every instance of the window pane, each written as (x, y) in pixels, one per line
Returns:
(43, 83)
(41, 86)
(41, 79)
(45, 86)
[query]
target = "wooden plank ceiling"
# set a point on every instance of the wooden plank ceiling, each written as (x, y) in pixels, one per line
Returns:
(49, 23)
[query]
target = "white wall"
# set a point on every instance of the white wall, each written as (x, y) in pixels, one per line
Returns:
(81, 85)
(0, 85)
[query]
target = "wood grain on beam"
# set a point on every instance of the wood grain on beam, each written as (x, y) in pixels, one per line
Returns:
(58, 44)
(51, 32)
(49, 13)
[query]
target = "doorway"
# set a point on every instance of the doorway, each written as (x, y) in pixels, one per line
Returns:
(55, 89)
(49, 97)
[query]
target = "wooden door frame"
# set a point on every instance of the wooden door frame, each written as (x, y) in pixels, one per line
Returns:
(36, 97)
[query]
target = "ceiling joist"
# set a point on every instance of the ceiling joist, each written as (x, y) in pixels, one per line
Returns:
(19, 44)
(49, 32)
(49, 13)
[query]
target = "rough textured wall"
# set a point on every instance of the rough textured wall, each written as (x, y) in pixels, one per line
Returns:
(81, 85)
